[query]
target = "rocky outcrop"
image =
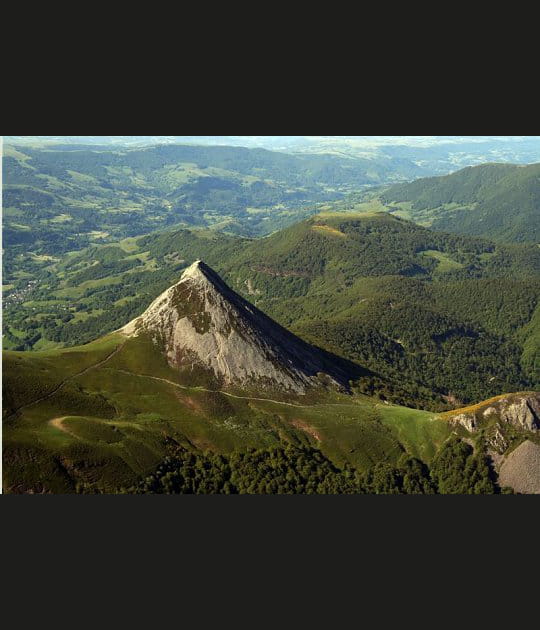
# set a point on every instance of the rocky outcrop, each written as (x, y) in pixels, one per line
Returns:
(497, 441)
(499, 418)
(524, 412)
(467, 420)
(521, 411)
(200, 323)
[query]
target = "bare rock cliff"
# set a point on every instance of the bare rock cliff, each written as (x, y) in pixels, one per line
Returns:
(201, 322)
(519, 410)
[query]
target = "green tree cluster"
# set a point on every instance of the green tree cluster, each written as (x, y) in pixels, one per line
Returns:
(457, 469)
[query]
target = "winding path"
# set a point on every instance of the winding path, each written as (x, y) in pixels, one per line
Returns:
(58, 421)
(59, 424)
(212, 391)
(63, 382)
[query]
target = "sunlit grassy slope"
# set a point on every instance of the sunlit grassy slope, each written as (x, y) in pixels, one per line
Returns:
(106, 413)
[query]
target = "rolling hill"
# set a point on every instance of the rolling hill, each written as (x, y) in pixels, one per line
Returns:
(443, 311)
(435, 155)
(498, 201)
(62, 197)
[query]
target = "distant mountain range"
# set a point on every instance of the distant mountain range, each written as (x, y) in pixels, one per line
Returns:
(77, 194)
(433, 154)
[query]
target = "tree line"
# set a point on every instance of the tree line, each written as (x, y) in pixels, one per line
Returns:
(287, 469)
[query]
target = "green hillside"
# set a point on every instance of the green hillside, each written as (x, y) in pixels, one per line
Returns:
(444, 315)
(103, 416)
(58, 199)
(498, 201)
(370, 288)
(112, 416)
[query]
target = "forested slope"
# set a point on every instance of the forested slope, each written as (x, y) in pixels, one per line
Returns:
(499, 201)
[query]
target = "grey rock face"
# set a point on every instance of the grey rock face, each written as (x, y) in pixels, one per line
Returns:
(519, 410)
(497, 441)
(523, 413)
(201, 322)
(467, 420)
(521, 469)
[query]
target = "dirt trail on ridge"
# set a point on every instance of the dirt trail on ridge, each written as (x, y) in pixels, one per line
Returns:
(64, 381)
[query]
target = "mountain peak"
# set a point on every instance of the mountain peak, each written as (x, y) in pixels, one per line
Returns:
(203, 326)
(201, 272)
(195, 270)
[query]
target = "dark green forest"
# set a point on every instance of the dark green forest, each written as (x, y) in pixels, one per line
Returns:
(457, 469)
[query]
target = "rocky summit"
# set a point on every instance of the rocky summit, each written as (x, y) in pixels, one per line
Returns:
(200, 322)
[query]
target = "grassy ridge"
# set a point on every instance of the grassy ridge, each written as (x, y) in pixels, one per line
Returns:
(449, 321)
